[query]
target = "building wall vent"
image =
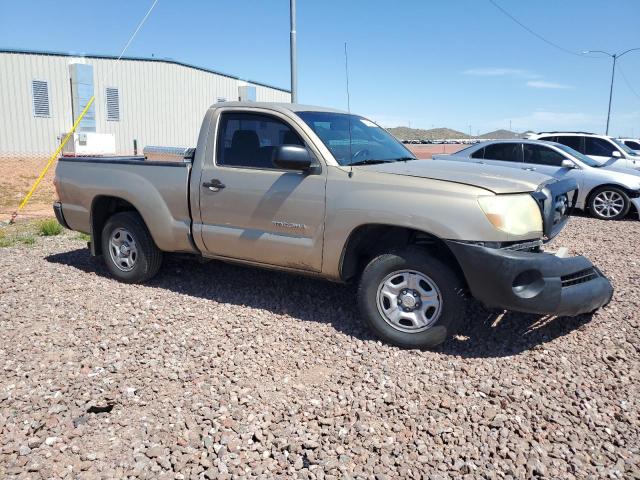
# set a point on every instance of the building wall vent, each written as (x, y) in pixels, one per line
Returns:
(40, 90)
(113, 104)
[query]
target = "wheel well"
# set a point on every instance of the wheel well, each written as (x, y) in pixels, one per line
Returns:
(102, 208)
(368, 241)
(599, 187)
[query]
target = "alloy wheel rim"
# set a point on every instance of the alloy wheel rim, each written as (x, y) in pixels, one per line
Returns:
(608, 203)
(409, 301)
(123, 249)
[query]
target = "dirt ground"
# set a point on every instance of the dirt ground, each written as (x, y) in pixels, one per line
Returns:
(427, 151)
(17, 174)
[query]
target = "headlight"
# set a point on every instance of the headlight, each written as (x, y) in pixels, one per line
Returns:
(514, 214)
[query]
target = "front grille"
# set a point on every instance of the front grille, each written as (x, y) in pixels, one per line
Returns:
(531, 246)
(582, 276)
(556, 201)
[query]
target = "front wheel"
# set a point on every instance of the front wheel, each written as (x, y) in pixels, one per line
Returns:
(129, 252)
(609, 203)
(411, 299)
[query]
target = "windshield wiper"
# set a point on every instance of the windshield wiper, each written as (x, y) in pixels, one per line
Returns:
(371, 161)
(368, 161)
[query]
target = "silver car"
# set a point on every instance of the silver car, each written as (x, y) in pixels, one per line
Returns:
(607, 192)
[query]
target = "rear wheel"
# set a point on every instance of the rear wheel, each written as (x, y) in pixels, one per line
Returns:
(609, 203)
(411, 299)
(129, 252)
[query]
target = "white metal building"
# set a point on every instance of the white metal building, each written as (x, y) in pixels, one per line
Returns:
(152, 101)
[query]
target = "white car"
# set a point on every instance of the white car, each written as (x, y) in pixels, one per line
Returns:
(607, 192)
(603, 149)
(632, 143)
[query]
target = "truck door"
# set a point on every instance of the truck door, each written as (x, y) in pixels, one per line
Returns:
(252, 210)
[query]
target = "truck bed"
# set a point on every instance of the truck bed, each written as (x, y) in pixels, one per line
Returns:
(159, 190)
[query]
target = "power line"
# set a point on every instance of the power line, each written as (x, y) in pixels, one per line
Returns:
(144, 19)
(535, 34)
(626, 80)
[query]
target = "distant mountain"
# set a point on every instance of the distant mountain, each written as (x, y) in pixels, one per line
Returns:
(406, 133)
(500, 135)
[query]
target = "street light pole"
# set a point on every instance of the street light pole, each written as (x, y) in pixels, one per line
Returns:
(293, 52)
(615, 57)
(613, 74)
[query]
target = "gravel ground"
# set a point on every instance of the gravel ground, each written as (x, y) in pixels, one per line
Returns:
(218, 371)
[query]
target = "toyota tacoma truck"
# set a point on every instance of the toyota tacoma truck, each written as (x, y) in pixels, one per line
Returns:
(321, 192)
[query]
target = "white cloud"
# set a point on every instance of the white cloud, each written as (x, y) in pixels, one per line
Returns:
(501, 72)
(543, 84)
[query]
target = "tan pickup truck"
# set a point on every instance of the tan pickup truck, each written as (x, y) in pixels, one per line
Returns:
(321, 192)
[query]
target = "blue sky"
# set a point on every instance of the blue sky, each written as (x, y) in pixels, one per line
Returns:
(455, 63)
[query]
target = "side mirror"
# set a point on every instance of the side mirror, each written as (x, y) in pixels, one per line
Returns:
(566, 163)
(616, 154)
(292, 157)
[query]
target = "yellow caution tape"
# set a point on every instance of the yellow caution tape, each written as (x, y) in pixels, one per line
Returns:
(52, 159)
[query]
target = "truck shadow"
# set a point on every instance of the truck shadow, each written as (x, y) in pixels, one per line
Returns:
(483, 335)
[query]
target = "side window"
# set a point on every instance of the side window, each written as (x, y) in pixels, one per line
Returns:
(542, 155)
(248, 140)
(598, 147)
(571, 141)
(632, 144)
(478, 154)
(507, 152)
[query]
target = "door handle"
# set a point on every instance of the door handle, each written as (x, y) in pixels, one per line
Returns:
(214, 185)
(531, 169)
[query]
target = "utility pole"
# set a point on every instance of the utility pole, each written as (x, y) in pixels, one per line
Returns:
(293, 52)
(613, 74)
(615, 57)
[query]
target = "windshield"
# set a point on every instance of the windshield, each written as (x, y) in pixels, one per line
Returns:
(626, 149)
(583, 158)
(367, 143)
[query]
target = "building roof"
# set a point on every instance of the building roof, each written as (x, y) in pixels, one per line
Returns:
(279, 106)
(140, 59)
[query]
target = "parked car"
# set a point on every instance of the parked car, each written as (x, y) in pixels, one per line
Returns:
(602, 148)
(632, 143)
(325, 193)
(606, 191)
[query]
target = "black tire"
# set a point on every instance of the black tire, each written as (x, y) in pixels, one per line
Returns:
(593, 198)
(450, 286)
(148, 258)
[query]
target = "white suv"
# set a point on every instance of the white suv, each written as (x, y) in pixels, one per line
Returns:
(602, 148)
(632, 143)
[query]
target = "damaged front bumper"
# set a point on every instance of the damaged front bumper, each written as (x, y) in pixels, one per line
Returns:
(532, 282)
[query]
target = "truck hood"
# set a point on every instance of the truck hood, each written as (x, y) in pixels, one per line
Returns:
(489, 177)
